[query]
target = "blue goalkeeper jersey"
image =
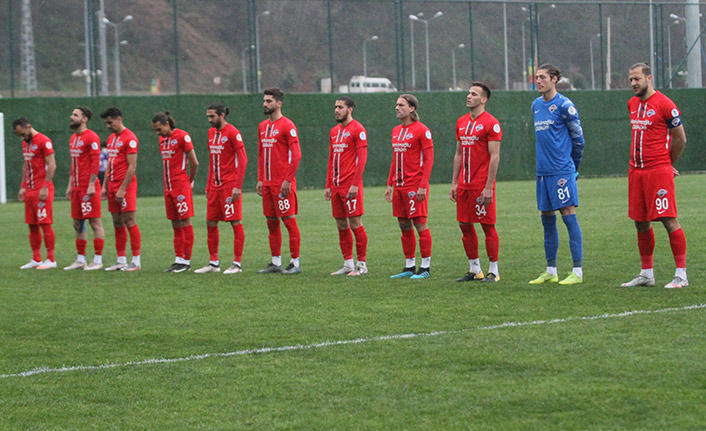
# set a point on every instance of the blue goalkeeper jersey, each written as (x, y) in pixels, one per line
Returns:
(559, 137)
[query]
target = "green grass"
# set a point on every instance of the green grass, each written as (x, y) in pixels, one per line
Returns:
(637, 372)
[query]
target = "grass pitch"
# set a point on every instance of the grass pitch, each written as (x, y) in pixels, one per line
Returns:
(429, 353)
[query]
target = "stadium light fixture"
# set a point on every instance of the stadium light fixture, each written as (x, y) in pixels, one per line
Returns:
(365, 55)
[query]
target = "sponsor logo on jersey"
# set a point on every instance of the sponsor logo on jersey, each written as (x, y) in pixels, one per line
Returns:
(496, 128)
(239, 138)
(293, 133)
(676, 121)
(428, 134)
(346, 134)
(552, 108)
(479, 200)
(362, 136)
(479, 128)
(675, 112)
(86, 198)
(409, 136)
(562, 182)
(229, 199)
(173, 142)
(41, 204)
(94, 146)
(224, 139)
(48, 145)
(412, 194)
(572, 110)
(181, 198)
(651, 112)
(275, 132)
(187, 138)
(661, 193)
(133, 144)
(33, 148)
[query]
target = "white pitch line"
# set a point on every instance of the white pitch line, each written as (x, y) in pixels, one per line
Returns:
(44, 370)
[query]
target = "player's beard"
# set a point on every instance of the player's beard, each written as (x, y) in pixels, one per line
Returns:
(268, 111)
(641, 92)
(342, 119)
(74, 126)
(217, 124)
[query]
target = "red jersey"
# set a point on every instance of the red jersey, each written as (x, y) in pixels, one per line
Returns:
(474, 135)
(278, 152)
(173, 149)
(119, 146)
(34, 153)
(348, 152)
(228, 158)
(413, 156)
(85, 149)
(651, 121)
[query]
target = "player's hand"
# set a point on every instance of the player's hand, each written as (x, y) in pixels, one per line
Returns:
(43, 193)
(352, 192)
(327, 194)
(487, 196)
(104, 193)
(21, 194)
(68, 193)
(285, 189)
(576, 175)
(452, 193)
(120, 196)
(676, 172)
(90, 191)
(258, 188)
(235, 194)
(388, 193)
(421, 194)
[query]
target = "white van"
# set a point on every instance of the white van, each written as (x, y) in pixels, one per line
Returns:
(367, 84)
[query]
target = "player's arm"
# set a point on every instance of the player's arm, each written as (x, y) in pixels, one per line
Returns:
(23, 184)
(131, 168)
(362, 159)
(573, 123)
(428, 157)
(50, 162)
(242, 165)
(678, 138)
(390, 179)
(296, 152)
(260, 174)
(494, 151)
(95, 158)
(68, 187)
(329, 175)
(456, 173)
(193, 165)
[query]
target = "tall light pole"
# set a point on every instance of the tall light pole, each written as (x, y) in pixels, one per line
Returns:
(536, 39)
(103, 48)
(593, 76)
(524, 55)
(116, 51)
(426, 32)
(453, 62)
(365, 55)
(242, 66)
(412, 18)
(257, 46)
(677, 20)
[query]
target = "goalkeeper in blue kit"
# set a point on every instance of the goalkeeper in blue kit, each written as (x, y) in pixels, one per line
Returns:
(559, 147)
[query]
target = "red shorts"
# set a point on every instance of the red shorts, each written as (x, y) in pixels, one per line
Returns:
(83, 207)
(651, 193)
(221, 207)
(36, 211)
(275, 206)
(342, 206)
(179, 203)
(405, 203)
(469, 210)
(129, 203)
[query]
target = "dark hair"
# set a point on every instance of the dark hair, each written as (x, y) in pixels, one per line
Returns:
(645, 68)
(85, 110)
(22, 122)
(412, 101)
(347, 100)
(219, 108)
(111, 112)
(164, 118)
(274, 92)
(553, 70)
(486, 89)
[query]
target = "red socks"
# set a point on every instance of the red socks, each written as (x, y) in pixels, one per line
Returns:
(49, 240)
(188, 244)
(470, 240)
(120, 240)
(135, 240)
(425, 243)
(81, 246)
(677, 241)
(275, 237)
(345, 239)
(409, 243)
(35, 241)
(178, 241)
(361, 243)
(646, 245)
(492, 242)
(238, 240)
(294, 236)
(98, 246)
(213, 243)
